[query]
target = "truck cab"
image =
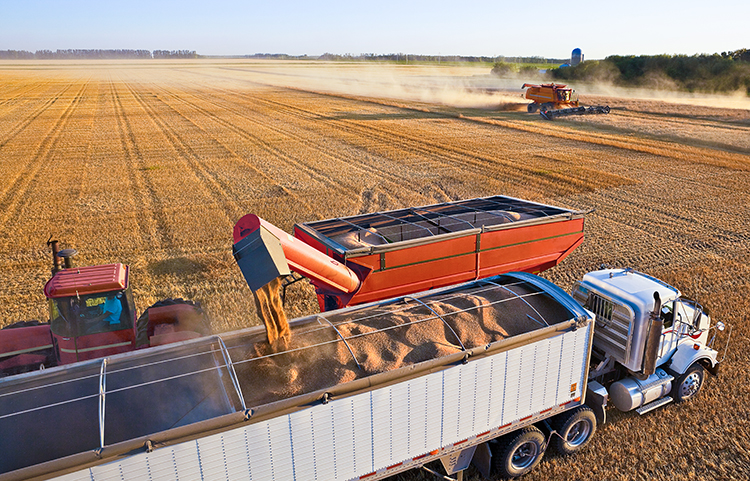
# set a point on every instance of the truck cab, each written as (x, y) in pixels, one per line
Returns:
(649, 341)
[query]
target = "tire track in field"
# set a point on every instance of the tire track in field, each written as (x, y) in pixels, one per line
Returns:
(12, 200)
(448, 156)
(376, 170)
(209, 181)
(22, 90)
(315, 174)
(318, 174)
(150, 221)
(24, 123)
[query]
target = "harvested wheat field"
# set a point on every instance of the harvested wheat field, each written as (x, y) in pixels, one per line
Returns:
(151, 163)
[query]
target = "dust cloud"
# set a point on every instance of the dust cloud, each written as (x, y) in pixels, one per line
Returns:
(457, 86)
(463, 87)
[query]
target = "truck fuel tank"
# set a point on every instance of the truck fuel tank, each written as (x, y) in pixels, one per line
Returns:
(631, 393)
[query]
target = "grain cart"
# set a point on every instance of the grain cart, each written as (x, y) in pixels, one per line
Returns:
(92, 315)
(370, 257)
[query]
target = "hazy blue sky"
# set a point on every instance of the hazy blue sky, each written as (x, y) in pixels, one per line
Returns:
(493, 27)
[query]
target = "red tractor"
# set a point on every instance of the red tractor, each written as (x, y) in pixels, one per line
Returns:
(93, 315)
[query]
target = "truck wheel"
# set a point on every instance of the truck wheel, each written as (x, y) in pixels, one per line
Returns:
(575, 429)
(688, 384)
(519, 452)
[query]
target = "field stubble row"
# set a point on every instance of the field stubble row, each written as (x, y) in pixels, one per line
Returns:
(153, 166)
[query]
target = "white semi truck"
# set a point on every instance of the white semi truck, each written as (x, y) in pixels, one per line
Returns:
(489, 372)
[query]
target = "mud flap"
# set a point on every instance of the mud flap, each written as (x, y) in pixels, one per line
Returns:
(482, 460)
(458, 461)
(596, 399)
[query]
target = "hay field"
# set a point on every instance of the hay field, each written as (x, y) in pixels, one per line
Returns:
(151, 163)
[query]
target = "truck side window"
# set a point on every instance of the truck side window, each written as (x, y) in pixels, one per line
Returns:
(667, 314)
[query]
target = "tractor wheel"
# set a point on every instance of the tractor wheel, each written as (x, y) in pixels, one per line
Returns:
(688, 384)
(531, 108)
(518, 452)
(202, 325)
(23, 324)
(575, 429)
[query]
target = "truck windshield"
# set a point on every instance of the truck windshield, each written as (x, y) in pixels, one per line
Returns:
(91, 314)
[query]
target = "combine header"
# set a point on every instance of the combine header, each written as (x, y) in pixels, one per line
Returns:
(553, 114)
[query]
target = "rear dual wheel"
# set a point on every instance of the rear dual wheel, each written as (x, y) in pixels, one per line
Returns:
(574, 428)
(519, 452)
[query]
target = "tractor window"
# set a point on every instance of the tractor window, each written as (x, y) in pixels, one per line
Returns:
(91, 314)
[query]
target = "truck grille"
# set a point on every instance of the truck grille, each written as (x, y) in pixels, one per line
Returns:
(613, 323)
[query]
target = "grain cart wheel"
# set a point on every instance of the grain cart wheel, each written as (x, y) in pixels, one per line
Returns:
(688, 384)
(198, 323)
(518, 452)
(575, 429)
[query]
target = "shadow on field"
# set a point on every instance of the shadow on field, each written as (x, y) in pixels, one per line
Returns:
(178, 266)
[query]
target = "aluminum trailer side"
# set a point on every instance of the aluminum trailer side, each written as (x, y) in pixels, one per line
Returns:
(371, 426)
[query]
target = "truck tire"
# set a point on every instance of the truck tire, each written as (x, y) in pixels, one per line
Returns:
(575, 429)
(203, 327)
(688, 384)
(518, 452)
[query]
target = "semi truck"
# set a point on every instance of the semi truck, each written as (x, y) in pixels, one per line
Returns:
(490, 372)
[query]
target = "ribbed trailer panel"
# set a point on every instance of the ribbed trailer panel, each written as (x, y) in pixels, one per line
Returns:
(371, 431)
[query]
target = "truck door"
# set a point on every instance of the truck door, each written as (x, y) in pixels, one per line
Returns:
(675, 327)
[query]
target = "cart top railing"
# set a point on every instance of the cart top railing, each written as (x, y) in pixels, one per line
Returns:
(350, 234)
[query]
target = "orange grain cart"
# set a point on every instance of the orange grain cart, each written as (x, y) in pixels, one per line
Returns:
(410, 250)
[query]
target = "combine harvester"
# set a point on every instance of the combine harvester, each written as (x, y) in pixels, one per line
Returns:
(490, 371)
(555, 100)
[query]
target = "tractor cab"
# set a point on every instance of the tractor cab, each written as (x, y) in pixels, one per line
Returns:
(91, 312)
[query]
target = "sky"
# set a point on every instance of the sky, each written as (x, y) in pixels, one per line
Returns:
(550, 29)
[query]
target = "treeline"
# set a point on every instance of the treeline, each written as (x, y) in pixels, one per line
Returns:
(406, 58)
(720, 73)
(94, 54)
